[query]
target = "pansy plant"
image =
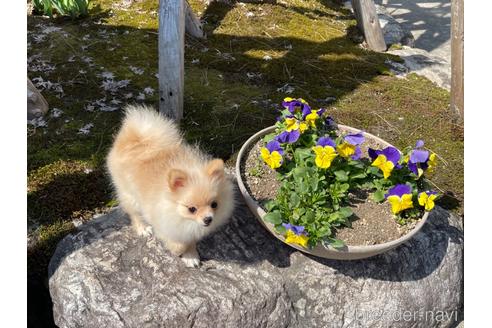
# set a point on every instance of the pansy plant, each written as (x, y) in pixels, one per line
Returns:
(272, 154)
(318, 167)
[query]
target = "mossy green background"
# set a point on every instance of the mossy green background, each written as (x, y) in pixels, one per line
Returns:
(231, 92)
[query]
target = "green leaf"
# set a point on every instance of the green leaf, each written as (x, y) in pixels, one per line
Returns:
(345, 212)
(280, 229)
(378, 196)
(303, 187)
(344, 187)
(336, 243)
(270, 205)
(314, 183)
(269, 137)
(273, 217)
(303, 153)
(309, 216)
(357, 176)
(324, 231)
(341, 175)
(356, 164)
(285, 112)
(367, 185)
(333, 217)
(300, 172)
(294, 200)
(372, 170)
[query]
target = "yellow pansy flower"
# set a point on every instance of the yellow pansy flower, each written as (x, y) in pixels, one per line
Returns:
(292, 238)
(311, 118)
(432, 162)
(399, 204)
(273, 159)
(303, 127)
(324, 156)
(346, 149)
(291, 124)
(384, 165)
(427, 200)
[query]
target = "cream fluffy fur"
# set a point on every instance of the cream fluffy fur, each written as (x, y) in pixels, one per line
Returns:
(163, 182)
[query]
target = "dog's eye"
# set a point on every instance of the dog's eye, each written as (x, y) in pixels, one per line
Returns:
(214, 205)
(192, 209)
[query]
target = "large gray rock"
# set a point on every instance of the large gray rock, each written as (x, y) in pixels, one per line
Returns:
(104, 276)
(37, 106)
(423, 63)
(393, 32)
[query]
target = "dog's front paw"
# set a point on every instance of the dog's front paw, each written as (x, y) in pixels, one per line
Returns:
(191, 262)
(143, 230)
(191, 258)
(146, 232)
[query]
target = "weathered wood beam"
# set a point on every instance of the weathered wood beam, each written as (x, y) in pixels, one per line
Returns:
(171, 57)
(368, 21)
(457, 58)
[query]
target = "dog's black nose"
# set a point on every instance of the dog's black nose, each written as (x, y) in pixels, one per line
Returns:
(207, 220)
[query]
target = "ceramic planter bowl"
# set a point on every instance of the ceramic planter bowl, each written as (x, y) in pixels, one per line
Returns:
(346, 253)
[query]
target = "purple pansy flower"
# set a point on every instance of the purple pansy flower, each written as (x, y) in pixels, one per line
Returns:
(288, 137)
(430, 192)
(326, 141)
(358, 153)
(399, 190)
(298, 230)
(391, 153)
(274, 146)
(321, 111)
(306, 110)
(355, 138)
(418, 156)
(294, 104)
(413, 167)
(291, 105)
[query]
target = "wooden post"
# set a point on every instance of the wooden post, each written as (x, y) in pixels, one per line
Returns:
(457, 58)
(368, 21)
(171, 57)
(356, 9)
(193, 26)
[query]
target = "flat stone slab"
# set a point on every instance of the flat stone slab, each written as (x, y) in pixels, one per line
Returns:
(420, 62)
(428, 21)
(104, 276)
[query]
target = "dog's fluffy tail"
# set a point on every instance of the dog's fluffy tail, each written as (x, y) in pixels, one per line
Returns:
(145, 132)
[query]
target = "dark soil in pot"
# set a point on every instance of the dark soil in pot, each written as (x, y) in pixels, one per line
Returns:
(372, 223)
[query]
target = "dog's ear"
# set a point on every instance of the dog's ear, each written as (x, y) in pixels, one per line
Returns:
(177, 179)
(215, 168)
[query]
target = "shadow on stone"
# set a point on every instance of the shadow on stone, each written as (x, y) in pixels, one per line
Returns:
(244, 241)
(414, 260)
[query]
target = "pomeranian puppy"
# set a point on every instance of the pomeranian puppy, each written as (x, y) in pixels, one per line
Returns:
(167, 186)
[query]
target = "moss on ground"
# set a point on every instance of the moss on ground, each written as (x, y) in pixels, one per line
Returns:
(254, 55)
